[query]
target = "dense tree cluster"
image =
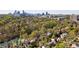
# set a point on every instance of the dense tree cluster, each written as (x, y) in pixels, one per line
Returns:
(35, 32)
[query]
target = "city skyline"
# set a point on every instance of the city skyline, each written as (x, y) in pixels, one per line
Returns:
(42, 11)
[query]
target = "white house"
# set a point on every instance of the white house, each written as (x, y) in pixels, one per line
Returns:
(74, 46)
(63, 35)
(43, 46)
(58, 39)
(48, 33)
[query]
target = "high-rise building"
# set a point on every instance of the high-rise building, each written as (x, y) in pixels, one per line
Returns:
(23, 13)
(47, 13)
(16, 13)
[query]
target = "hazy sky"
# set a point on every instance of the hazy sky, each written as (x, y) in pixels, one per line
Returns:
(40, 11)
(31, 6)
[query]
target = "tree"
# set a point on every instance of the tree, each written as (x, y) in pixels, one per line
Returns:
(50, 24)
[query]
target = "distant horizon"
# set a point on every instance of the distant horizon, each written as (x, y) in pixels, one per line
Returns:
(43, 11)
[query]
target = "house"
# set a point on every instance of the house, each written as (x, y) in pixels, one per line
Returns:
(27, 42)
(60, 18)
(32, 41)
(74, 18)
(63, 35)
(52, 42)
(43, 46)
(48, 33)
(58, 39)
(74, 45)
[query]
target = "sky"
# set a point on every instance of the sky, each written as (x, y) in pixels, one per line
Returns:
(39, 6)
(41, 11)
